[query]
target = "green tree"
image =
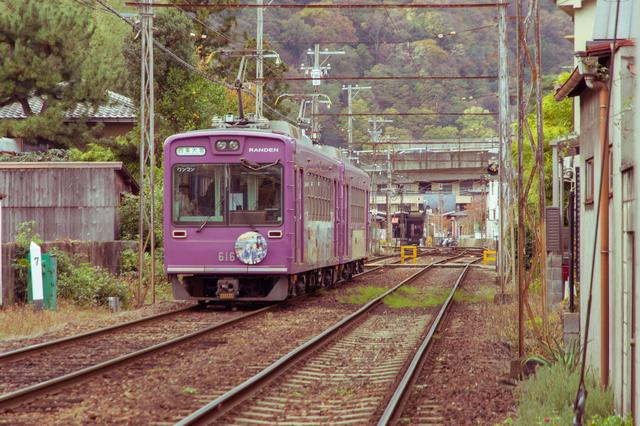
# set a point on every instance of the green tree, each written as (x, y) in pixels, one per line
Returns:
(557, 118)
(190, 102)
(47, 53)
(477, 126)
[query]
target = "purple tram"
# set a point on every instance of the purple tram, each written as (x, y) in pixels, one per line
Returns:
(258, 213)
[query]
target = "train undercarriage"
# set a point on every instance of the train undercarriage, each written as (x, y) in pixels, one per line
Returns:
(259, 288)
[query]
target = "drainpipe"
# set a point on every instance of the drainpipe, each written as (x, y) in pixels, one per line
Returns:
(604, 236)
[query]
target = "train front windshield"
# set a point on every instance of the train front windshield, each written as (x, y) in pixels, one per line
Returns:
(227, 194)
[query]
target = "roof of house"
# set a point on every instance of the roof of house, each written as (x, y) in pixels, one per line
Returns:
(575, 84)
(118, 108)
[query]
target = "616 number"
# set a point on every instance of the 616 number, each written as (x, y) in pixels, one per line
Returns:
(228, 256)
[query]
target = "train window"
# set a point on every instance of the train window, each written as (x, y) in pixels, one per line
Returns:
(318, 197)
(255, 195)
(357, 206)
(198, 193)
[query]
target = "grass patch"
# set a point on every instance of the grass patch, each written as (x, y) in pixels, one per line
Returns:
(483, 294)
(547, 397)
(362, 295)
(23, 321)
(189, 390)
(405, 297)
(411, 297)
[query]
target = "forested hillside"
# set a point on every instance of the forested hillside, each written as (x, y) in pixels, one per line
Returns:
(377, 42)
(392, 42)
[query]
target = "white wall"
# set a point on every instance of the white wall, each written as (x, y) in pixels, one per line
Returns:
(493, 210)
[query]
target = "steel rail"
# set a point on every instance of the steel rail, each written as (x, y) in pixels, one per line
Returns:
(32, 349)
(325, 5)
(30, 392)
(235, 396)
(403, 391)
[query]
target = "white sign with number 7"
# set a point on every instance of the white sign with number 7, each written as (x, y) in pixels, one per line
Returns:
(35, 255)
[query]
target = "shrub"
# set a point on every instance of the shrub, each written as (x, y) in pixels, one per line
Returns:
(24, 236)
(129, 273)
(130, 209)
(86, 284)
(611, 421)
(548, 396)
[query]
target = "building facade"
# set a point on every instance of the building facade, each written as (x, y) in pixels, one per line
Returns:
(605, 82)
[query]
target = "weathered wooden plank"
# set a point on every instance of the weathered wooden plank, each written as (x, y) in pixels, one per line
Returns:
(59, 187)
(58, 223)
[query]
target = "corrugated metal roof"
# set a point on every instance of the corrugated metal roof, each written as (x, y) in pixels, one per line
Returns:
(604, 24)
(117, 108)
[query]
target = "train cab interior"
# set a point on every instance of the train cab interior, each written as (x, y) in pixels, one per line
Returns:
(227, 194)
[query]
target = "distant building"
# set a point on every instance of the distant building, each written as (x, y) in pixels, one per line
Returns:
(117, 115)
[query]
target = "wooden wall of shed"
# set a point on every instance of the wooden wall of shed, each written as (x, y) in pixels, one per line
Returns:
(106, 254)
(73, 203)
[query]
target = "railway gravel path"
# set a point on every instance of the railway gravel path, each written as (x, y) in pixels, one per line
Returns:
(168, 385)
(58, 360)
(461, 380)
(348, 380)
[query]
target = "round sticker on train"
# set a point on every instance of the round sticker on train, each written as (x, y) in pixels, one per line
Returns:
(251, 248)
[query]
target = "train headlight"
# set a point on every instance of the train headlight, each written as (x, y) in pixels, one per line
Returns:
(233, 145)
(221, 145)
(251, 248)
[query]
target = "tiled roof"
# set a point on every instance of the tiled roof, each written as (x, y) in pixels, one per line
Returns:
(117, 108)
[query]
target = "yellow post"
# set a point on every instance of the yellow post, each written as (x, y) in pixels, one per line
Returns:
(488, 256)
(413, 253)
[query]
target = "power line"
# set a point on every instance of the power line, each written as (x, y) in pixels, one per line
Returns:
(387, 42)
(400, 114)
(431, 142)
(329, 5)
(387, 77)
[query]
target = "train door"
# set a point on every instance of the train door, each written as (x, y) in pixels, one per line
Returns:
(367, 224)
(336, 219)
(299, 183)
(347, 221)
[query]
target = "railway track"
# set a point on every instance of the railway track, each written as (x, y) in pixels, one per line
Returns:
(343, 375)
(62, 362)
(424, 257)
(80, 357)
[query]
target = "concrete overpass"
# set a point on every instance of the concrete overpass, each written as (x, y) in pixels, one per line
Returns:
(429, 161)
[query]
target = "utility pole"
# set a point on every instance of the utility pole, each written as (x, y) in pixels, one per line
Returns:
(259, 58)
(147, 148)
(375, 133)
(352, 92)
(317, 71)
(520, 137)
(503, 87)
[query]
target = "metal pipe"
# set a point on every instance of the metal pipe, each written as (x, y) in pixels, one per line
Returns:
(604, 237)
(571, 213)
(1, 282)
(259, 58)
